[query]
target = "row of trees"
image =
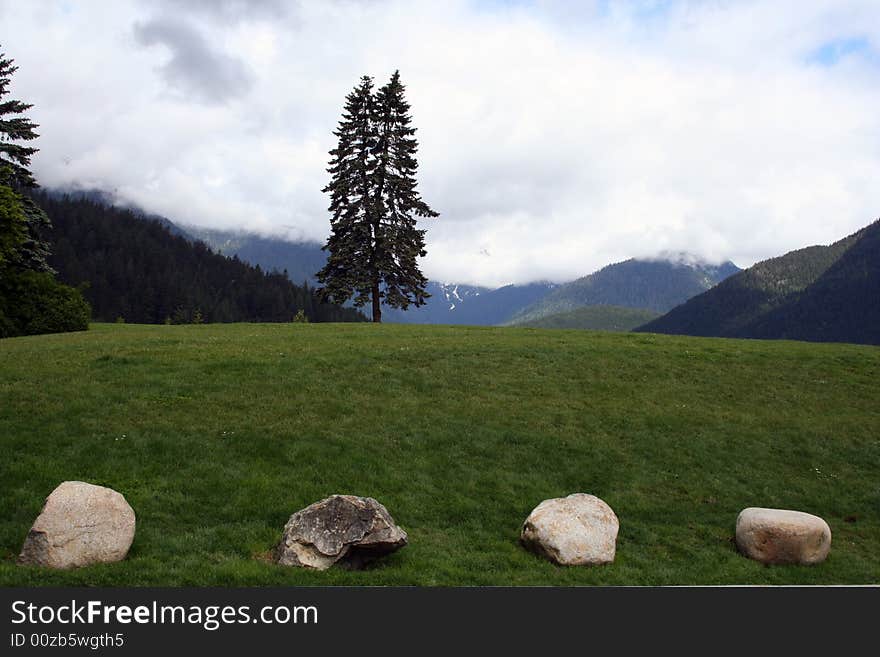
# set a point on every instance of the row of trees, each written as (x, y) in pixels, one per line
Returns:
(31, 300)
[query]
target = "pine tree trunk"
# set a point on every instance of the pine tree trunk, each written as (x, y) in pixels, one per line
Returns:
(377, 306)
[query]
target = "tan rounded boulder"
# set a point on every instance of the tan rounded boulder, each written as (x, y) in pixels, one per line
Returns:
(578, 530)
(80, 524)
(780, 536)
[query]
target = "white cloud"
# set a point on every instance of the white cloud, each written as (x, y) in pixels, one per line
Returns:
(554, 140)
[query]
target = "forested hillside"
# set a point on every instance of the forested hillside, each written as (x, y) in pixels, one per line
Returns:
(134, 268)
(842, 305)
(822, 293)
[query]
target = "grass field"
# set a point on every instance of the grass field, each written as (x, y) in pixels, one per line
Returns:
(217, 433)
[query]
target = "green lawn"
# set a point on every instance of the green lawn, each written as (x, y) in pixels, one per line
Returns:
(217, 433)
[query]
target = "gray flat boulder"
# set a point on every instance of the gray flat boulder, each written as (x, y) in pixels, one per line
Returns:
(80, 524)
(343, 530)
(780, 536)
(578, 530)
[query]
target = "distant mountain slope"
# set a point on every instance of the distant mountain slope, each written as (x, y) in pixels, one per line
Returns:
(464, 304)
(843, 305)
(597, 318)
(133, 267)
(821, 293)
(657, 285)
(301, 260)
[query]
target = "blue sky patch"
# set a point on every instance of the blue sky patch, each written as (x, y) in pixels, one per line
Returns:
(828, 54)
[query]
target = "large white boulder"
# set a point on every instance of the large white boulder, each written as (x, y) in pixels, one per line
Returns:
(578, 530)
(80, 524)
(342, 529)
(780, 536)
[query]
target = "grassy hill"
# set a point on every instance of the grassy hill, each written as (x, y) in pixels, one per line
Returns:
(597, 318)
(217, 433)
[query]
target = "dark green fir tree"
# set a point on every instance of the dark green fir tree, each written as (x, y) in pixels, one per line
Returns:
(15, 159)
(398, 201)
(375, 242)
(349, 270)
(31, 300)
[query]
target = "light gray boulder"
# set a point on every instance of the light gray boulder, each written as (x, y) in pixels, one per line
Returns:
(780, 536)
(80, 524)
(578, 530)
(343, 530)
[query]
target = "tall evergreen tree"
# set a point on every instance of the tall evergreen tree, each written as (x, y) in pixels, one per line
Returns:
(375, 242)
(31, 300)
(398, 202)
(14, 173)
(349, 268)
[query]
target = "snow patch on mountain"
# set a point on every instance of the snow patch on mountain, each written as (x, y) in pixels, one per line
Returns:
(456, 294)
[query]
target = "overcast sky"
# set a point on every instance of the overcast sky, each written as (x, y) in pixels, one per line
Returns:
(555, 137)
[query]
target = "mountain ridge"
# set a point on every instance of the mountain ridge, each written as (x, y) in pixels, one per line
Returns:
(820, 292)
(649, 284)
(633, 283)
(456, 303)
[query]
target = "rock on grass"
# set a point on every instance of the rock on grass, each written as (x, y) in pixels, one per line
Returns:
(578, 530)
(342, 530)
(781, 536)
(80, 524)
